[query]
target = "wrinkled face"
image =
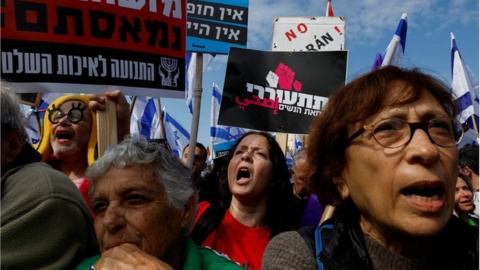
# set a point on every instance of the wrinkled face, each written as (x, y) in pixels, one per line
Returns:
(132, 207)
(250, 169)
(69, 138)
(463, 196)
(402, 191)
(198, 160)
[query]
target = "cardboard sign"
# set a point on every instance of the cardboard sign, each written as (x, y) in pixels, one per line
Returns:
(88, 46)
(308, 34)
(281, 91)
(216, 25)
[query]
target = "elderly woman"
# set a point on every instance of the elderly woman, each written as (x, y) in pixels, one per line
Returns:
(256, 205)
(384, 154)
(144, 203)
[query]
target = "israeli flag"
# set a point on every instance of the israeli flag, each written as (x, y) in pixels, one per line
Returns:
(190, 63)
(177, 136)
(463, 87)
(145, 118)
(190, 60)
(298, 143)
(222, 137)
(289, 160)
(395, 50)
(31, 123)
(34, 116)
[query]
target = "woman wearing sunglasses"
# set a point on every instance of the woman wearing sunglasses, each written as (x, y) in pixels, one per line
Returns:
(384, 154)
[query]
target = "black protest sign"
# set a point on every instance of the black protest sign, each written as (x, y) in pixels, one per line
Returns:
(279, 91)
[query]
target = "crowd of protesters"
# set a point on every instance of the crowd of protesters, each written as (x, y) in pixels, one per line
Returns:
(383, 158)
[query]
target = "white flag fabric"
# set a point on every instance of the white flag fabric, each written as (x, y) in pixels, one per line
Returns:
(177, 136)
(32, 123)
(190, 63)
(190, 60)
(395, 50)
(222, 137)
(145, 118)
(289, 160)
(462, 89)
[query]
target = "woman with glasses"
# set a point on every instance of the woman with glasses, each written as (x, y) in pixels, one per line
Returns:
(69, 137)
(383, 153)
(69, 133)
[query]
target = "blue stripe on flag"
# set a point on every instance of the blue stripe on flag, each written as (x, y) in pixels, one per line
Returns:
(147, 119)
(177, 125)
(464, 101)
(453, 51)
(216, 94)
(223, 133)
(402, 32)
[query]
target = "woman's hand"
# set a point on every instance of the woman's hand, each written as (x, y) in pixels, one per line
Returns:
(129, 257)
(97, 102)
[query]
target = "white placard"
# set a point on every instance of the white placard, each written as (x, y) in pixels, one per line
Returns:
(308, 34)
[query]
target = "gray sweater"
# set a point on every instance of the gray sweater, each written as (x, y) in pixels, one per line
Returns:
(289, 250)
(45, 222)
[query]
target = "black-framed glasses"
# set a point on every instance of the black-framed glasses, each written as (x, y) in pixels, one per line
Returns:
(396, 132)
(75, 114)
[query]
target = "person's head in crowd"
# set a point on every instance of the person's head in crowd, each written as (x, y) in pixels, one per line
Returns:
(257, 174)
(257, 170)
(13, 131)
(256, 201)
(468, 162)
(300, 184)
(463, 195)
(69, 135)
(45, 223)
(69, 132)
(144, 202)
(199, 159)
(385, 149)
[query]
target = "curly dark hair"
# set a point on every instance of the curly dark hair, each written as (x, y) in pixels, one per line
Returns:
(353, 103)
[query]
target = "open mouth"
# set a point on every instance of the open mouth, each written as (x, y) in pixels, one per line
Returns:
(243, 173)
(426, 191)
(427, 197)
(63, 135)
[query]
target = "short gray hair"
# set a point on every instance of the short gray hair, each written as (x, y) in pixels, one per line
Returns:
(136, 150)
(12, 117)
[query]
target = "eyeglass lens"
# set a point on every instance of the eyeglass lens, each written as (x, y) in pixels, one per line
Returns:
(396, 132)
(75, 114)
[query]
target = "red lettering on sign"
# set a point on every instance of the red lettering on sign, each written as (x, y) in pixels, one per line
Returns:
(302, 28)
(290, 35)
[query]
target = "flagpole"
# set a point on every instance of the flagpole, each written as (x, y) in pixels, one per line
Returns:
(160, 118)
(197, 99)
(389, 53)
(474, 124)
